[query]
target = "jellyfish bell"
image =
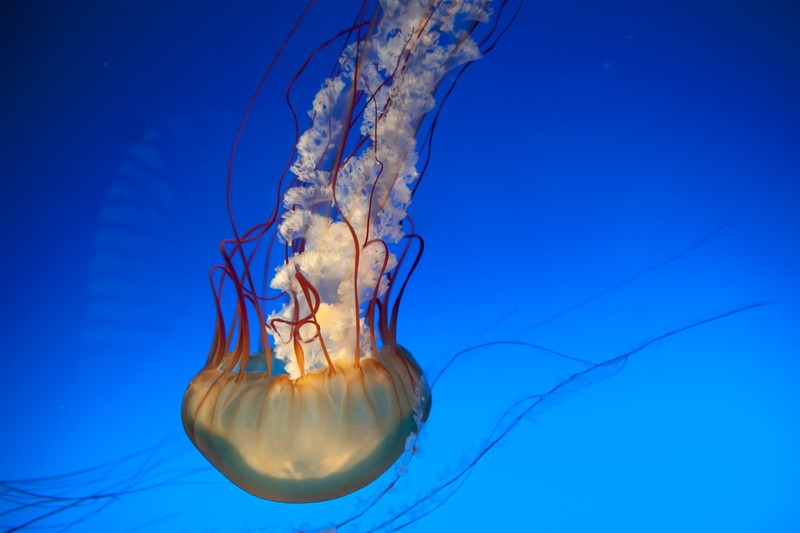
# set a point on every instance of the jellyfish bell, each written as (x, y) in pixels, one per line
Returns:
(315, 438)
(330, 400)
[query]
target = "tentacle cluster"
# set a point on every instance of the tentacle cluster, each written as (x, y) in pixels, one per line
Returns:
(343, 225)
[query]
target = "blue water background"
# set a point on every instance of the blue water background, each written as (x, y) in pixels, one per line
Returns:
(597, 140)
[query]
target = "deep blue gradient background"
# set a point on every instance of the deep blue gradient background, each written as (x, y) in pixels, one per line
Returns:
(596, 140)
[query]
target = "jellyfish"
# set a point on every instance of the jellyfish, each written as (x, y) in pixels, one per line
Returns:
(307, 394)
